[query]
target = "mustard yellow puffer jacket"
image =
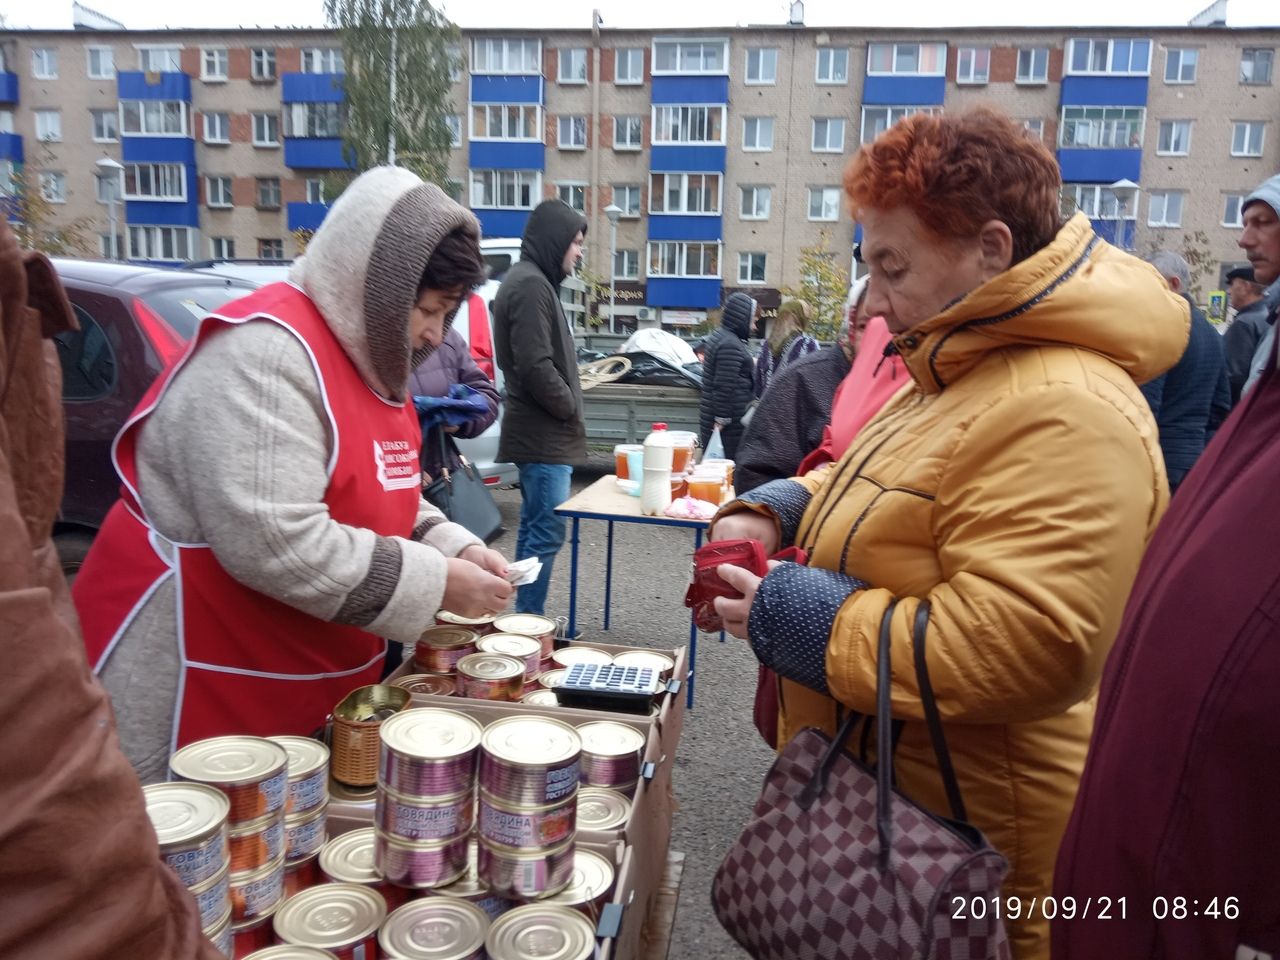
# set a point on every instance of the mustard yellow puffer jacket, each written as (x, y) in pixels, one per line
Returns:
(1014, 485)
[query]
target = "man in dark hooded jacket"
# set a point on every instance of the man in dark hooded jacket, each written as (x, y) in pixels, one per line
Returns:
(728, 385)
(543, 432)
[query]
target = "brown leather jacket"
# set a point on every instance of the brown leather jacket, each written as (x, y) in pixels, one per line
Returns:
(80, 873)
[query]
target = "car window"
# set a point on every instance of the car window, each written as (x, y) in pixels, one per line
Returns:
(88, 362)
(184, 307)
(498, 264)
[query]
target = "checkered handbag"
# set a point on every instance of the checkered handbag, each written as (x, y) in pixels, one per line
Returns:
(835, 864)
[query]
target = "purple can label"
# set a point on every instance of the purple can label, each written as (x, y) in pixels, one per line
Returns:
(427, 778)
(426, 866)
(305, 838)
(258, 897)
(198, 864)
(309, 792)
(273, 791)
(425, 822)
(563, 782)
(525, 877)
(213, 903)
(532, 828)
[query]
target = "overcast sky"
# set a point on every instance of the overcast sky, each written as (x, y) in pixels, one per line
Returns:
(149, 14)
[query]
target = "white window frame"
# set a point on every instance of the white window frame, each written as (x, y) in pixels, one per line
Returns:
(1110, 69)
(628, 256)
(155, 237)
(527, 62)
(222, 248)
(977, 70)
(173, 52)
(454, 122)
(44, 63)
(896, 49)
(682, 251)
(746, 259)
(168, 180)
(625, 191)
(1032, 77)
(683, 210)
(226, 198)
(761, 204)
(1034, 126)
(263, 66)
(1251, 53)
(1174, 127)
(825, 190)
(314, 121)
(6, 121)
(268, 116)
(221, 65)
(1249, 126)
(144, 129)
(522, 180)
(271, 203)
(6, 177)
(568, 56)
(764, 77)
(112, 135)
(686, 120)
(1178, 55)
(1163, 220)
(106, 185)
(574, 124)
(631, 123)
(830, 123)
(830, 76)
(893, 114)
(1238, 223)
(503, 115)
(630, 80)
(328, 59)
(204, 123)
(277, 244)
(1097, 201)
(575, 188)
(48, 126)
(315, 190)
(110, 72)
(684, 48)
(53, 186)
(1103, 131)
(747, 146)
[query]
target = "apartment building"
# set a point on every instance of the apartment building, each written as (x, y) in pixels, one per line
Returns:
(722, 150)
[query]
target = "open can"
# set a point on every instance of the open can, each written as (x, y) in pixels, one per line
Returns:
(356, 722)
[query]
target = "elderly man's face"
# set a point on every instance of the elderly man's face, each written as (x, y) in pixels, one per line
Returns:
(1241, 293)
(1261, 241)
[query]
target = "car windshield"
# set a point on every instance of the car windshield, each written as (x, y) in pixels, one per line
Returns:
(184, 307)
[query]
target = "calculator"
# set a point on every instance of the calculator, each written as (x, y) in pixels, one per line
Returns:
(596, 686)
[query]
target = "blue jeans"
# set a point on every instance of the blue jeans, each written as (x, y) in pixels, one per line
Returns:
(543, 487)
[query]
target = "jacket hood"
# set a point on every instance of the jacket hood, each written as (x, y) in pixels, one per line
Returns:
(1078, 291)
(551, 228)
(737, 314)
(1268, 192)
(363, 266)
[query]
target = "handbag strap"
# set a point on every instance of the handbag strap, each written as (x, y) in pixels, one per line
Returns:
(445, 442)
(931, 715)
(884, 741)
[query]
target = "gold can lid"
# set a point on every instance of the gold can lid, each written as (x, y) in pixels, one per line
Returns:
(434, 928)
(429, 733)
(609, 739)
(448, 638)
(510, 644)
(469, 884)
(541, 698)
(306, 756)
(539, 931)
(528, 624)
(552, 678)
(601, 809)
(531, 741)
(229, 760)
(592, 878)
(287, 951)
(658, 662)
(434, 684)
(461, 621)
(568, 656)
(331, 915)
(185, 812)
(349, 857)
(490, 666)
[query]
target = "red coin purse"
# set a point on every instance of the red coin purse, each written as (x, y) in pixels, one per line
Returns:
(707, 583)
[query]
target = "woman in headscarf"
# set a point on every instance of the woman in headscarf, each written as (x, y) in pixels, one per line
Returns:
(785, 343)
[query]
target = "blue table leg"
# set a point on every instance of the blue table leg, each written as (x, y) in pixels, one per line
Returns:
(608, 576)
(693, 632)
(573, 583)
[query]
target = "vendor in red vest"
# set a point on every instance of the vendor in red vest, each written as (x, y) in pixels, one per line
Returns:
(271, 533)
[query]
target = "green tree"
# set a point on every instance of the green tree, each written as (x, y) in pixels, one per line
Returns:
(36, 219)
(824, 285)
(597, 293)
(425, 54)
(1194, 247)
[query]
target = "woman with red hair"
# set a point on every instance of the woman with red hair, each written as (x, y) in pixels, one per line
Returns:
(1013, 486)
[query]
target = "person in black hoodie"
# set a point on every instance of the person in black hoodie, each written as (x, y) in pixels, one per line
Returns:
(728, 375)
(543, 432)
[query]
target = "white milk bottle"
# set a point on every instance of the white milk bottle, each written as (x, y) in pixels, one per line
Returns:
(655, 487)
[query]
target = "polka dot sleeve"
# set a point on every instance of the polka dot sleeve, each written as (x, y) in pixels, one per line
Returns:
(787, 499)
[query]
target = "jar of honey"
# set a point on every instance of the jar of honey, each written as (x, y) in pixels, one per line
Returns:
(620, 459)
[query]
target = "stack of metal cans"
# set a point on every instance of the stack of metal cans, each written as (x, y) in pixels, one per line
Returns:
(612, 754)
(349, 858)
(306, 808)
(540, 629)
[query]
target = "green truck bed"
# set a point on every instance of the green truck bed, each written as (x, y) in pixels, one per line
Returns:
(625, 412)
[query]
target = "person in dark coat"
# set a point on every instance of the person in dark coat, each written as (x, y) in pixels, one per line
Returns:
(451, 364)
(786, 343)
(727, 375)
(1190, 401)
(1247, 330)
(543, 431)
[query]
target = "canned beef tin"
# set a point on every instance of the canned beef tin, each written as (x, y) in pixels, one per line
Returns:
(301, 874)
(471, 888)
(429, 753)
(220, 935)
(588, 889)
(419, 864)
(480, 625)
(257, 894)
(304, 833)
(552, 678)
(600, 809)
(527, 827)
(435, 929)
(526, 874)
(342, 918)
(659, 663)
(440, 648)
(190, 820)
(308, 773)
(288, 951)
(432, 684)
(257, 843)
(542, 629)
(349, 858)
(525, 649)
(540, 931)
(611, 754)
(252, 935)
(213, 898)
(567, 656)
(251, 771)
(529, 761)
(416, 818)
(491, 676)
(541, 697)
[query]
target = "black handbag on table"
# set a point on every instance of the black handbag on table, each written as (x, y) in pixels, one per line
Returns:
(461, 495)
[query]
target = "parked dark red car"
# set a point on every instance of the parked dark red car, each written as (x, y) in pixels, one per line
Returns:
(133, 321)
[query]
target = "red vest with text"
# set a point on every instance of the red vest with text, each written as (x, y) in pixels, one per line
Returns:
(251, 664)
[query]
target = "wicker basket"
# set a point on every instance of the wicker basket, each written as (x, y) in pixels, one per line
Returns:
(355, 740)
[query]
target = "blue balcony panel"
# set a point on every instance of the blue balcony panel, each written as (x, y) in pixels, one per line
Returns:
(683, 292)
(312, 153)
(307, 216)
(11, 147)
(132, 85)
(1119, 233)
(687, 159)
(683, 227)
(8, 87)
(312, 87)
(690, 89)
(502, 155)
(1104, 91)
(496, 89)
(162, 213)
(502, 223)
(1100, 166)
(904, 91)
(158, 150)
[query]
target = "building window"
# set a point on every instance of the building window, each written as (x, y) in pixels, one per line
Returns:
(1102, 128)
(1232, 216)
(454, 122)
(49, 126)
(315, 190)
(217, 128)
(571, 133)
(268, 193)
(1247, 138)
(751, 268)
(505, 189)
(572, 65)
(6, 177)
(833, 65)
(6, 121)
(876, 120)
(677, 259)
(222, 248)
(690, 56)
(262, 63)
(314, 120)
(1033, 65)
(44, 63)
(1131, 58)
(454, 53)
(1255, 65)
(824, 203)
(271, 249)
(629, 66)
(153, 118)
(627, 197)
(973, 65)
(757, 133)
(509, 121)
(102, 63)
(106, 249)
(217, 191)
(828, 135)
(574, 194)
(906, 59)
(106, 186)
(755, 203)
(626, 265)
(266, 130)
(500, 55)
(703, 124)
(160, 59)
(1175, 138)
(762, 65)
(692, 193)
(159, 243)
(1180, 65)
(628, 133)
(1096, 201)
(1166, 209)
(155, 181)
(213, 64)
(53, 186)
(106, 125)
(322, 60)
(1035, 128)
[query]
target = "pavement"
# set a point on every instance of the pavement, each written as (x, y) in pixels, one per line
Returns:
(721, 760)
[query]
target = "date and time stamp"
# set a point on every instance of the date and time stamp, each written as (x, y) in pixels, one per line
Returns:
(1094, 908)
